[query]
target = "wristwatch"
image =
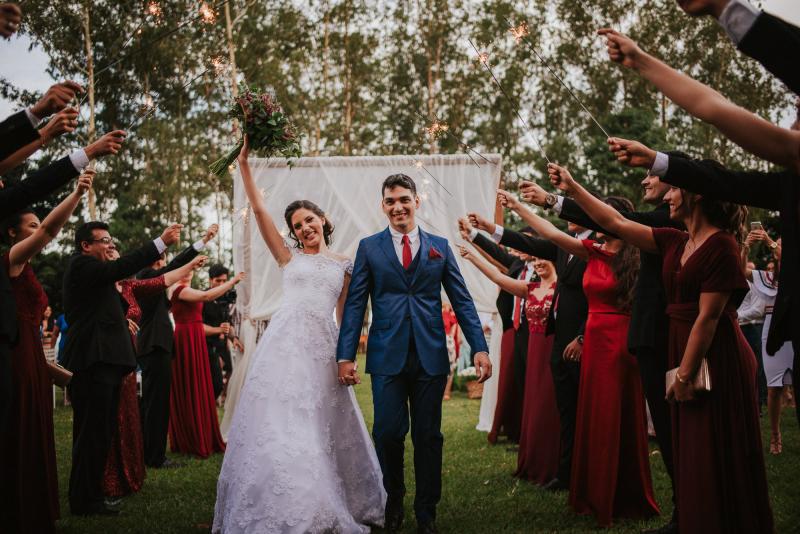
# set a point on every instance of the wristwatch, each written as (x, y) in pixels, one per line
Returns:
(773, 245)
(550, 200)
(580, 339)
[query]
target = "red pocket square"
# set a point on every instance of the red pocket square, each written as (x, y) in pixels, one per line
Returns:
(434, 254)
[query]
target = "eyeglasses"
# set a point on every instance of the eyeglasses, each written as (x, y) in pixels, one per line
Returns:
(103, 240)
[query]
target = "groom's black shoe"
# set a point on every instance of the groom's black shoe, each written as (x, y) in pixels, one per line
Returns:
(393, 518)
(427, 528)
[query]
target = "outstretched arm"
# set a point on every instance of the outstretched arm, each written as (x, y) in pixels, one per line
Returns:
(266, 224)
(506, 283)
(194, 295)
(543, 227)
(756, 135)
(604, 215)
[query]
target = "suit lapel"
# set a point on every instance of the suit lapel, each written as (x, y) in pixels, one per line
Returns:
(387, 246)
(424, 251)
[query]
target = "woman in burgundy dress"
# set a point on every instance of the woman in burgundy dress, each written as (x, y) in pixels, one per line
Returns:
(721, 482)
(125, 470)
(29, 494)
(539, 442)
(193, 423)
(610, 460)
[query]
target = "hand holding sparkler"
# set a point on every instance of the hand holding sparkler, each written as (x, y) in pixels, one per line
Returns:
(561, 178)
(56, 98)
(65, 121)
(622, 49)
(110, 143)
(632, 153)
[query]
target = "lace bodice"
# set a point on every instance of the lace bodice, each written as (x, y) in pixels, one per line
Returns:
(313, 283)
(536, 311)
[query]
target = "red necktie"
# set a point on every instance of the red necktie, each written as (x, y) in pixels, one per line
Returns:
(406, 252)
(518, 301)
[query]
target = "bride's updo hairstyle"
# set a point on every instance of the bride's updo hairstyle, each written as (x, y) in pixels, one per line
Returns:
(327, 228)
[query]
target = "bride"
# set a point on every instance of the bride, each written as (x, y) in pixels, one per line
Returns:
(299, 458)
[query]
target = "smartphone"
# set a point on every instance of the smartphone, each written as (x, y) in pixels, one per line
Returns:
(755, 225)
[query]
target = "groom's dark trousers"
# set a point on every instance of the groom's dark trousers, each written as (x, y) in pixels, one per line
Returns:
(394, 396)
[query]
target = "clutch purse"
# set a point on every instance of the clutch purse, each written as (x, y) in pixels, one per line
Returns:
(701, 382)
(60, 376)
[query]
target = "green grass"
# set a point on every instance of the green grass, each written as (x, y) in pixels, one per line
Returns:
(479, 493)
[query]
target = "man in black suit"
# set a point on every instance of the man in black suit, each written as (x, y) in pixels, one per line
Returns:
(217, 327)
(154, 348)
(511, 309)
(648, 334)
(566, 321)
(98, 352)
(771, 41)
(768, 190)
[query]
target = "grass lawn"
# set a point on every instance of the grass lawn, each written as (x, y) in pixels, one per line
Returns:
(479, 494)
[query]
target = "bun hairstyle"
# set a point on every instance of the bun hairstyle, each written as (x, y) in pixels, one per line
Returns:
(327, 227)
(12, 222)
(626, 262)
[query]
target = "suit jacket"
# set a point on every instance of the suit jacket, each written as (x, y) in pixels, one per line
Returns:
(403, 308)
(774, 43)
(769, 190)
(95, 311)
(12, 199)
(505, 300)
(16, 132)
(568, 320)
(155, 330)
(649, 326)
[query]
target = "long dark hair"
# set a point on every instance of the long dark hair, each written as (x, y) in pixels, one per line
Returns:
(327, 228)
(727, 216)
(12, 222)
(626, 262)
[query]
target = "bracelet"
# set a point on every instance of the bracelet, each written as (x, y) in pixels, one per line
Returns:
(680, 378)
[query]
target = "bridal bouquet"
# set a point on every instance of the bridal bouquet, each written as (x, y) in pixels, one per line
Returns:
(267, 127)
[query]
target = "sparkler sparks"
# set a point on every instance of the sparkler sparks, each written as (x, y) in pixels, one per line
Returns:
(207, 14)
(483, 57)
(437, 129)
(219, 65)
(154, 10)
(520, 32)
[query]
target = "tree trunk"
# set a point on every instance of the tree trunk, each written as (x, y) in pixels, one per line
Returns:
(348, 99)
(92, 134)
(231, 50)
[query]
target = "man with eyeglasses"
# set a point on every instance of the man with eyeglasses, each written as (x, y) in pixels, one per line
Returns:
(98, 352)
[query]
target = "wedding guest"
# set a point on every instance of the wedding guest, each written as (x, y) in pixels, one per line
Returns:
(719, 462)
(510, 385)
(566, 322)
(29, 492)
(540, 439)
(777, 367)
(193, 422)
(125, 469)
(98, 352)
(17, 197)
(65, 121)
(750, 316)
(155, 355)
(218, 331)
(452, 337)
(59, 337)
(10, 18)
(46, 326)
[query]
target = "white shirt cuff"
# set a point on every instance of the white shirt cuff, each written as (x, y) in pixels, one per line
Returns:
(79, 160)
(35, 121)
(660, 165)
(558, 205)
(473, 234)
(199, 245)
(498, 233)
(160, 245)
(737, 18)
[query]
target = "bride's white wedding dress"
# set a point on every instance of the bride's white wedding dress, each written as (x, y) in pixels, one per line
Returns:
(299, 457)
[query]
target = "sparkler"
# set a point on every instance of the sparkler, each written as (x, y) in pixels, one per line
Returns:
(458, 141)
(483, 57)
(207, 15)
(520, 37)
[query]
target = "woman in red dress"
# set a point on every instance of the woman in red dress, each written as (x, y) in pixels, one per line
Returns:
(721, 483)
(610, 460)
(29, 493)
(539, 442)
(125, 471)
(193, 422)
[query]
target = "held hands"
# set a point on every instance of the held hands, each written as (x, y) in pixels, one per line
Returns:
(574, 350)
(211, 233)
(532, 193)
(507, 200)
(561, 178)
(84, 182)
(464, 228)
(622, 49)
(171, 234)
(10, 18)
(483, 366)
(480, 222)
(110, 143)
(65, 121)
(632, 153)
(56, 98)
(348, 373)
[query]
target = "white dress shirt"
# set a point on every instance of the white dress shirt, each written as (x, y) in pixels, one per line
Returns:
(78, 158)
(737, 18)
(397, 240)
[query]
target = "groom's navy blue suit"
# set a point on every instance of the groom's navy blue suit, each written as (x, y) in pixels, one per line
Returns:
(407, 353)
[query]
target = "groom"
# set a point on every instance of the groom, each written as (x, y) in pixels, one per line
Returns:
(403, 269)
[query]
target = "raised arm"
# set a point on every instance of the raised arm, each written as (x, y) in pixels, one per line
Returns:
(189, 294)
(604, 215)
(266, 224)
(506, 283)
(62, 122)
(22, 252)
(754, 134)
(543, 227)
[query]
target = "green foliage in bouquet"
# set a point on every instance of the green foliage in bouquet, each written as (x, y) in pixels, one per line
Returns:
(262, 119)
